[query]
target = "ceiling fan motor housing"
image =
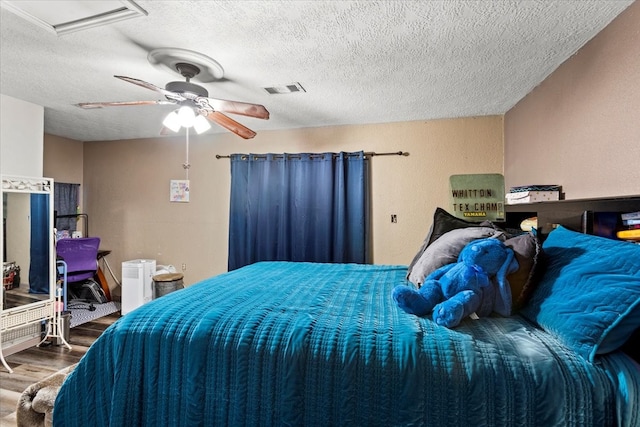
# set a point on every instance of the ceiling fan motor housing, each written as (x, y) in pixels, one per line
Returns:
(187, 88)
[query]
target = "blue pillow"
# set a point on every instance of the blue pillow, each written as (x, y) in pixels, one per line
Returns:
(589, 294)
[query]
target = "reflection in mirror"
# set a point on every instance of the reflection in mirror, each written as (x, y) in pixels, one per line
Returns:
(25, 248)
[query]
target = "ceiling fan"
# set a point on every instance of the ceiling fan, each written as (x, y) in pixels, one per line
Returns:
(196, 100)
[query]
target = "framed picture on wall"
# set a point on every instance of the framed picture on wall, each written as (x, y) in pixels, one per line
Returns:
(179, 191)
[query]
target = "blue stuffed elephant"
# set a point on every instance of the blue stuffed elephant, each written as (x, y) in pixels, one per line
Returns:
(477, 283)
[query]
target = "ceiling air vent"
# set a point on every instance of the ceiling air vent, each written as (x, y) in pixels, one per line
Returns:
(63, 17)
(282, 89)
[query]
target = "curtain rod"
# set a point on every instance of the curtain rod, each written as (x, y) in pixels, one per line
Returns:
(367, 154)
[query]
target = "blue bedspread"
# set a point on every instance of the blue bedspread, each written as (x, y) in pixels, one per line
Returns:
(302, 344)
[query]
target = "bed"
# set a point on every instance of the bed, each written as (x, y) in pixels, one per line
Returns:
(304, 344)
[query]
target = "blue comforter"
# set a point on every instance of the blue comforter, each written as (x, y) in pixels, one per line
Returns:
(302, 344)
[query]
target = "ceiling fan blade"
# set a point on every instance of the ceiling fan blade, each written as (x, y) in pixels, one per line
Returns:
(169, 94)
(230, 124)
(91, 105)
(234, 107)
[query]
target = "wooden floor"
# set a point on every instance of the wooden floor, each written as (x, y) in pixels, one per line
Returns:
(37, 363)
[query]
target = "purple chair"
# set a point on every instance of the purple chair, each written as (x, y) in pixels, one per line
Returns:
(81, 256)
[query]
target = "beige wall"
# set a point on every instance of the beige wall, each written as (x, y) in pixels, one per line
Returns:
(127, 186)
(581, 127)
(63, 159)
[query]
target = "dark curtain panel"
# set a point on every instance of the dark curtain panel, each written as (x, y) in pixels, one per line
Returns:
(298, 207)
(65, 202)
(39, 266)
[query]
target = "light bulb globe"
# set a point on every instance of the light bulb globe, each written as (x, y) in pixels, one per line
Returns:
(172, 121)
(187, 116)
(201, 124)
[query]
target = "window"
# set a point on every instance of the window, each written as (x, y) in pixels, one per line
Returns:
(65, 202)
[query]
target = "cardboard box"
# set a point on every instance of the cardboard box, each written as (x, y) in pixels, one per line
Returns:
(531, 196)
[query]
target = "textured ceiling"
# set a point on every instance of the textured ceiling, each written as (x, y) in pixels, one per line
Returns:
(359, 61)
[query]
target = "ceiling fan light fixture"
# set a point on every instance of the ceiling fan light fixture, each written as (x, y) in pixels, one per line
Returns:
(193, 104)
(201, 124)
(172, 121)
(186, 117)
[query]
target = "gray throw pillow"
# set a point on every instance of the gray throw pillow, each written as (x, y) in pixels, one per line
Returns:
(443, 222)
(446, 248)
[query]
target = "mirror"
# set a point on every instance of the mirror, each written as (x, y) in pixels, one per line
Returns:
(27, 243)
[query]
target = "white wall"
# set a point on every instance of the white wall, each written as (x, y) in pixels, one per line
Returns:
(21, 154)
(21, 137)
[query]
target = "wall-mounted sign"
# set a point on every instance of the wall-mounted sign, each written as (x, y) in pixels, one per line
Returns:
(478, 197)
(179, 190)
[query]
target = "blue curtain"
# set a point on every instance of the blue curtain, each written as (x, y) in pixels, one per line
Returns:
(39, 267)
(299, 207)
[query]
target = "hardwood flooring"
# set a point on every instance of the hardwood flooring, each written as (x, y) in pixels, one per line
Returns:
(37, 363)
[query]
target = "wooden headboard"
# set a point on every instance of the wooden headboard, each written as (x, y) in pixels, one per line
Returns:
(568, 213)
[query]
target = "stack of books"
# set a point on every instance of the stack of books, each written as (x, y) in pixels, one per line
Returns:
(533, 193)
(631, 227)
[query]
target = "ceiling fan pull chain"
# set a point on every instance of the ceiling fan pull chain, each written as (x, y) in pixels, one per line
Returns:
(186, 164)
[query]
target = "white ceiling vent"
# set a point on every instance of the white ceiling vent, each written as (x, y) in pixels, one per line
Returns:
(282, 89)
(63, 17)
